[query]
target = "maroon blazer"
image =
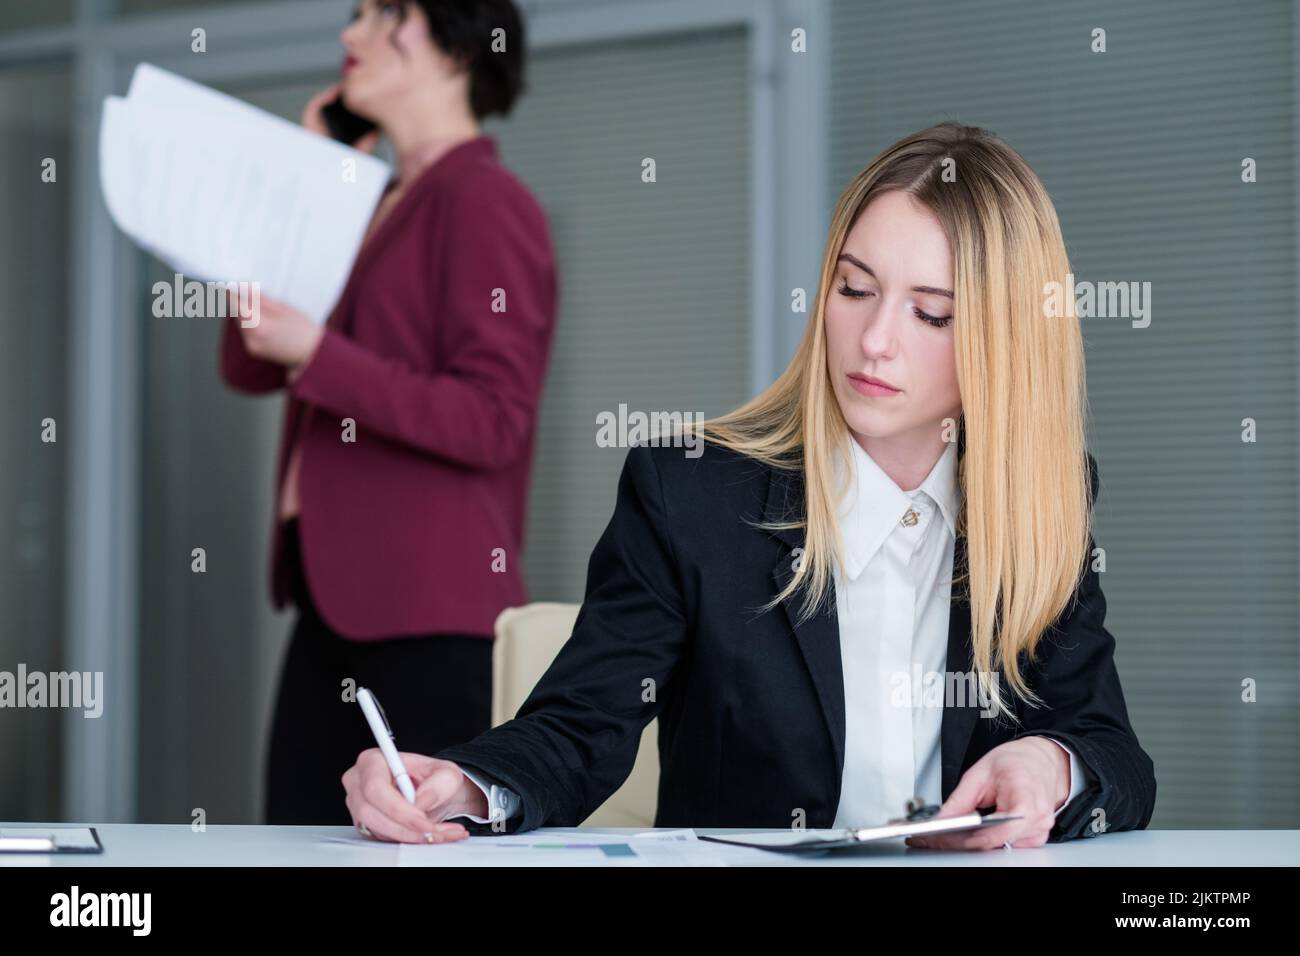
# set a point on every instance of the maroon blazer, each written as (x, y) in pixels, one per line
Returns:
(437, 350)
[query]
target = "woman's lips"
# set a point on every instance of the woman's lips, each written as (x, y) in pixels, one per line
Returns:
(867, 385)
(348, 63)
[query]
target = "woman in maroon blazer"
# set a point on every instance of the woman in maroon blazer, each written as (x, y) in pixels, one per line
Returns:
(411, 415)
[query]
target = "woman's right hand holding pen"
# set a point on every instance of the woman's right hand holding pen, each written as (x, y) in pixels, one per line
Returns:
(442, 790)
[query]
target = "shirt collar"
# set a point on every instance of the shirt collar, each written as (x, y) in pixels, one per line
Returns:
(873, 504)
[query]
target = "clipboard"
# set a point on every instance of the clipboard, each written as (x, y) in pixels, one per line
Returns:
(50, 840)
(920, 819)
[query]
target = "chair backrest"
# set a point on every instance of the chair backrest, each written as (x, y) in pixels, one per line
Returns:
(527, 640)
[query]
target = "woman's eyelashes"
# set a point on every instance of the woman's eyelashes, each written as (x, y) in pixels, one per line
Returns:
(937, 321)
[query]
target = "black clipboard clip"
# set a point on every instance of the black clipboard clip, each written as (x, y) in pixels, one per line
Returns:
(917, 810)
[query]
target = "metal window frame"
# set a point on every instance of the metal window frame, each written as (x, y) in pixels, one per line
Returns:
(788, 156)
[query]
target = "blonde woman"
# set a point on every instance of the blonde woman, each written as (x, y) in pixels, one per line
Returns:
(876, 582)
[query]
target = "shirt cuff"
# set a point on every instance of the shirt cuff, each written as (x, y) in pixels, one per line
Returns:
(503, 803)
(1076, 773)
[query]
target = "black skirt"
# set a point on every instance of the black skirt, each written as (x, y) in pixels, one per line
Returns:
(436, 690)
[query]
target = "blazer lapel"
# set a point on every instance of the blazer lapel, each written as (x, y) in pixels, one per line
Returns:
(958, 722)
(819, 636)
(445, 169)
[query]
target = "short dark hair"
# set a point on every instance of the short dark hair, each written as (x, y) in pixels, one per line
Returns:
(463, 29)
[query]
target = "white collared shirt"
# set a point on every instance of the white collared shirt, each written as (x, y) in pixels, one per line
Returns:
(893, 597)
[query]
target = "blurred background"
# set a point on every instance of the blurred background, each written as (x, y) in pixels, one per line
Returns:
(675, 297)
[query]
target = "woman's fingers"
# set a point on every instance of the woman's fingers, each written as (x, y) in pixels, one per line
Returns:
(420, 766)
(976, 788)
(311, 113)
(1011, 792)
(381, 793)
(374, 801)
(1031, 830)
(441, 789)
(984, 839)
(382, 827)
(368, 142)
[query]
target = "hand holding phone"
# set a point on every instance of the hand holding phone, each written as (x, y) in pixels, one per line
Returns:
(326, 114)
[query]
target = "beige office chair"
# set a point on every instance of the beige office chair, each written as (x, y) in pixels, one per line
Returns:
(527, 640)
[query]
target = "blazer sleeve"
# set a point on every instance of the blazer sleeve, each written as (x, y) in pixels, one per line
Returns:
(242, 371)
(1076, 678)
(575, 739)
(479, 408)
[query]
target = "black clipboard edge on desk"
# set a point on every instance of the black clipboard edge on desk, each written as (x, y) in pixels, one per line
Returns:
(97, 848)
(861, 836)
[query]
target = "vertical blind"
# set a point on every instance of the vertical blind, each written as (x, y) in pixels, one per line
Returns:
(35, 236)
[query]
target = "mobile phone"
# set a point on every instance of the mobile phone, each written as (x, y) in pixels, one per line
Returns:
(344, 125)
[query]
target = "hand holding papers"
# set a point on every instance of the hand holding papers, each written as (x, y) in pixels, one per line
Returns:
(225, 192)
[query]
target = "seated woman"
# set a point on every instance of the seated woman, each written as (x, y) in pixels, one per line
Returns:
(877, 582)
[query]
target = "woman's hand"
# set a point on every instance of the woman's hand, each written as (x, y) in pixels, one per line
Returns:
(1028, 777)
(441, 791)
(276, 332)
(313, 120)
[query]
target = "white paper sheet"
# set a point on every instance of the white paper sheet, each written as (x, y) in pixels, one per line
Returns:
(590, 848)
(222, 191)
(564, 847)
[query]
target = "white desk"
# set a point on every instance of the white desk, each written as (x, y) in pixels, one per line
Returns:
(161, 845)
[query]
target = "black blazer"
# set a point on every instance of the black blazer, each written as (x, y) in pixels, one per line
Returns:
(751, 708)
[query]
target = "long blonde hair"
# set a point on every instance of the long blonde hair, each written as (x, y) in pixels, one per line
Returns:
(1026, 511)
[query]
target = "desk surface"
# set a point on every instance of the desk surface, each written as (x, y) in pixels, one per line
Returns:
(167, 845)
